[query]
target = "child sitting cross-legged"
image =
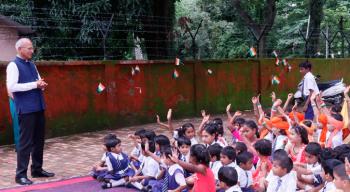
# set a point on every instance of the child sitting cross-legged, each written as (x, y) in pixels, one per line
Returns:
(117, 163)
(148, 169)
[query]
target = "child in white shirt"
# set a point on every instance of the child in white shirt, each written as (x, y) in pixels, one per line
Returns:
(228, 157)
(215, 163)
(327, 174)
(228, 179)
(245, 164)
(281, 178)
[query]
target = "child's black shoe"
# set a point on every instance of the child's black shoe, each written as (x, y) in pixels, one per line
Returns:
(106, 185)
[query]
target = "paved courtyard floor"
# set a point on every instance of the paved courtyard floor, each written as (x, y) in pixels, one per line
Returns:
(73, 156)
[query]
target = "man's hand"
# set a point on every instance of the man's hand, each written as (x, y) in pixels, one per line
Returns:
(41, 84)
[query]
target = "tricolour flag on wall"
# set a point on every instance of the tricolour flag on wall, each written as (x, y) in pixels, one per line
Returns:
(176, 74)
(275, 80)
(100, 88)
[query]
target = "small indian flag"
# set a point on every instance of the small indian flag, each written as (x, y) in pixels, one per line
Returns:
(252, 52)
(176, 74)
(100, 88)
(277, 62)
(177, 61)
(210, 71)
(285, 62)
(274, 53)
(275, 80)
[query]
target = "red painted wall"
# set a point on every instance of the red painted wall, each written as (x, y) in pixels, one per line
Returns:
(74, 106)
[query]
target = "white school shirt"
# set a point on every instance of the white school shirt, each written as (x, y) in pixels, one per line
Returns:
(179, 177)
(194, 141)
(234, 188)
(309, 82)
(278, 142)
(109, 163)
(12, 75)
(245, 177)
(137, 152)
(328, 187)
(288, 184)
(337, 139)
(150, 167)
(215, 166)
(316, 169)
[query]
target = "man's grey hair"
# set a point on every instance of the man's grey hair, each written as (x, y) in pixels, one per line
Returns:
(20, 42)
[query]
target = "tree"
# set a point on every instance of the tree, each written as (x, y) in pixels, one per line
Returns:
(261, 29)
(314, 31)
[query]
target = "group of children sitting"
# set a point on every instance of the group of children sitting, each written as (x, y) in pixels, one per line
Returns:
(279, 151)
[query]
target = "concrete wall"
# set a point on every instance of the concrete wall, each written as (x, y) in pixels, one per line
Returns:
(74, 106)
(8, 38)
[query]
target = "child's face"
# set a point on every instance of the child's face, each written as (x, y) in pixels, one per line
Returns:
(190, 133)
(104, 148)
(184, 149)
(338, 182)
(225, 160)
(157, 147)
(248, 132)
(310, 159)
(138, 139)
(247, 166)
(207, 138)
(294, 137)
(237, 126)
(303, 70)
(277, 169)
(117, 148)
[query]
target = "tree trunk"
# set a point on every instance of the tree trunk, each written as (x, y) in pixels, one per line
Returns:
(316, 16)
(259, 30)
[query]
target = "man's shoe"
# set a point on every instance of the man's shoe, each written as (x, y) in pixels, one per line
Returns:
(42, 173)
(23, 181)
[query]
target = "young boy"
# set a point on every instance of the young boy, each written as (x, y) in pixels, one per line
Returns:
(328, 176)
(117, 163)
(341, 179)
(228, 179)
(171, 174)
(184, 145)
(215, 163)
(307, 86)
(281, 179)
(245, 164)
(228, 156)
(148, 169)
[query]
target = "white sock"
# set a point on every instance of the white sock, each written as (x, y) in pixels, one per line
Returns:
(137, 185)
(116, 183)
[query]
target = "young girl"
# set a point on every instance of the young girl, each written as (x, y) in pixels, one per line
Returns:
(210, 135)
(161, 141)
(263, 148)
(118, 165)
(309, 174)
(279, 130)
(136, 154)
(298, 139)
(249, 136)
(203, 179)
(220, 130)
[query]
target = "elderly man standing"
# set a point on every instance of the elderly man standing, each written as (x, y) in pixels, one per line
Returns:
(23, 80)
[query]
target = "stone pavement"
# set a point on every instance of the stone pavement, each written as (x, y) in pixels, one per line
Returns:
(73, 156)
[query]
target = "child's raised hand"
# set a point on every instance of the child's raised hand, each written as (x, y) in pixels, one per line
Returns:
(174, 155)
(290, 95)
(255, 100)
(158, 119)
(238, 113)
(273, 96)
(168, 116)
(277, 103)
(294, 108)
(347, 89)
(203, 113)
(228, 107)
